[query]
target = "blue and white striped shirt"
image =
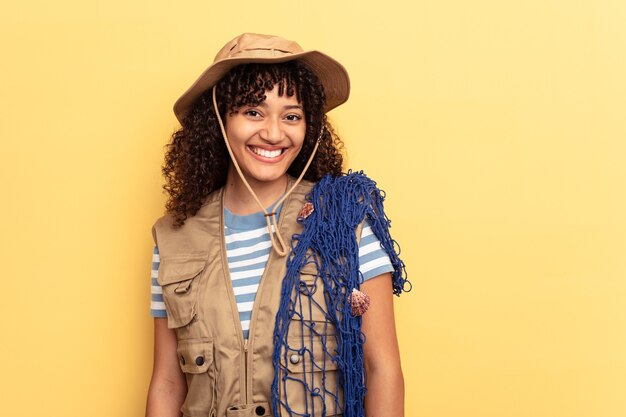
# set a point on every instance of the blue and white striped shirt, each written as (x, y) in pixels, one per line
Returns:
(248, 247)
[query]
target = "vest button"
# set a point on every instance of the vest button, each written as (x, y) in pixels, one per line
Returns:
(260, 410)
(294, 358)
(200, 360)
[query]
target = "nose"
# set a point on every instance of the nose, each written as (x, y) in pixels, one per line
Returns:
(271, 131)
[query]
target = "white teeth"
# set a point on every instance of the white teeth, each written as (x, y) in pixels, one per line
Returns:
(266, 153)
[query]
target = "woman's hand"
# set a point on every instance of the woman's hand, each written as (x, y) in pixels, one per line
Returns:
(168, 386)
(384, 380)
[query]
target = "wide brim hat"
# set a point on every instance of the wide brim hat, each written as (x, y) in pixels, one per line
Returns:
(255, 48)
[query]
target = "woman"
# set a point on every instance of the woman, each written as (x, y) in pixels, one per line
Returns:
(286, 310)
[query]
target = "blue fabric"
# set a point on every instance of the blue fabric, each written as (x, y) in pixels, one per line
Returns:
(340, 205)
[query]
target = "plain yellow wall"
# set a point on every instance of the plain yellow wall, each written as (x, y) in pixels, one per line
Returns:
(496, 127)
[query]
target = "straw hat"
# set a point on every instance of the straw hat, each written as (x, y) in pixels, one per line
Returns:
(256, 48)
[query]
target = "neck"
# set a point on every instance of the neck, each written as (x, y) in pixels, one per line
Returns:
(237, 197)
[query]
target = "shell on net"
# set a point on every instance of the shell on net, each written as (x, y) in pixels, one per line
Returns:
(359, 301)
(306, 210)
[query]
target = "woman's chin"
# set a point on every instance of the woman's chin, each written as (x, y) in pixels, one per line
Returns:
(266, 177)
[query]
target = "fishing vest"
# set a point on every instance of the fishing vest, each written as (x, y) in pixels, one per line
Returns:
(226, 375)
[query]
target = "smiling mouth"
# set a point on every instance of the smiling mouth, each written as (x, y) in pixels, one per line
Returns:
(267, 153)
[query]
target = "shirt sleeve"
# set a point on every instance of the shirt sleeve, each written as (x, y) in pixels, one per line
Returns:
(373, 260)
(157, 306)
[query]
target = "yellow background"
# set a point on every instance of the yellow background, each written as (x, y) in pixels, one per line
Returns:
(496, 127)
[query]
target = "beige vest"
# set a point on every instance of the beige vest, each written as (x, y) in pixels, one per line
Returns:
(227, 376)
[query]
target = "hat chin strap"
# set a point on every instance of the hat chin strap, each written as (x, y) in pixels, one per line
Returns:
(272, 225)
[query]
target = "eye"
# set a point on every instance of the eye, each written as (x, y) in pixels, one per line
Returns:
(293, 117)
(252, 113)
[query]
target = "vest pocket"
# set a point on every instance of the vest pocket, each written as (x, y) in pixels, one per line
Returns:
(195, 356)
(311, 290)
(261, 409)
(196, 361)
(179, 280)
(310, 317)
(311, 384)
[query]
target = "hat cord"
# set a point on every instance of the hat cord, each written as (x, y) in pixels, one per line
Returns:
(272, 225)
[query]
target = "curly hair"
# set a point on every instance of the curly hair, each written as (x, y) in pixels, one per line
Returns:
(196, 159)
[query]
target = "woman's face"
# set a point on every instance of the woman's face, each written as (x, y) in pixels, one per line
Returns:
(266, 138)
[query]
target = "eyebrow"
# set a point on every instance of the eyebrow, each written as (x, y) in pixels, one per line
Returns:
(288, 107)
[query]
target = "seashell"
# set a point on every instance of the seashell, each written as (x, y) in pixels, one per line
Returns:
(359, 301)
(306, 210)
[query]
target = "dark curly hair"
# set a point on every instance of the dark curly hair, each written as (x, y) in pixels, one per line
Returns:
(196, 159)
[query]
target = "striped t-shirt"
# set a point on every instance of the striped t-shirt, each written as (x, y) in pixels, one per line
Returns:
(248, 247)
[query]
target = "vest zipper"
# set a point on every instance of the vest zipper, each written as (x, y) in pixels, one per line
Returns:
(245, 368)
(253, 315)
(243, 375)
(244, 342)
(255, 306)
